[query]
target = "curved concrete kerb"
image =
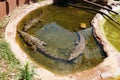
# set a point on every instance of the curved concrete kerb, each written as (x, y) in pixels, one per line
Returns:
(113, 59)
(109, 67)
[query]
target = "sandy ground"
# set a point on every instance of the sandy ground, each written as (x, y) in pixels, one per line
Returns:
(108, 68)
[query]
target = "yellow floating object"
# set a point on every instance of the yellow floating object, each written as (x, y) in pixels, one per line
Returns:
(83, 25)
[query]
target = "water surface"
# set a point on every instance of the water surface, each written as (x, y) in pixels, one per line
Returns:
(57, 29)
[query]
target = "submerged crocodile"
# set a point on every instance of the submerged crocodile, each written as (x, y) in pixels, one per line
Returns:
(79, 48)
(33, 42)
(32, 22)
(38, 45)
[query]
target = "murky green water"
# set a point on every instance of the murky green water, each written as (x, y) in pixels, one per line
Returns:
(57, 30)
(112, 32)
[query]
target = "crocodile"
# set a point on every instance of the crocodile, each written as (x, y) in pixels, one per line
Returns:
(32, 22)
(79, 48)
(32, 41)
(38, 45)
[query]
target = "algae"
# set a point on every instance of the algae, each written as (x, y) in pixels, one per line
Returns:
(112, 31)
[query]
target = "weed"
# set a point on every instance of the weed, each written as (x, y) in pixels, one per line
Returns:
(26, 73)
(3, 76)
(7, 54)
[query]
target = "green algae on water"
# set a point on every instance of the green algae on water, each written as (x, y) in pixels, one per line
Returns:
(112, 32)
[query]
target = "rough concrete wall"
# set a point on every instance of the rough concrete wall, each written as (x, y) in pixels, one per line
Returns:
(6, 6)
(21, 2)
(11, 5)
(2, 10)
